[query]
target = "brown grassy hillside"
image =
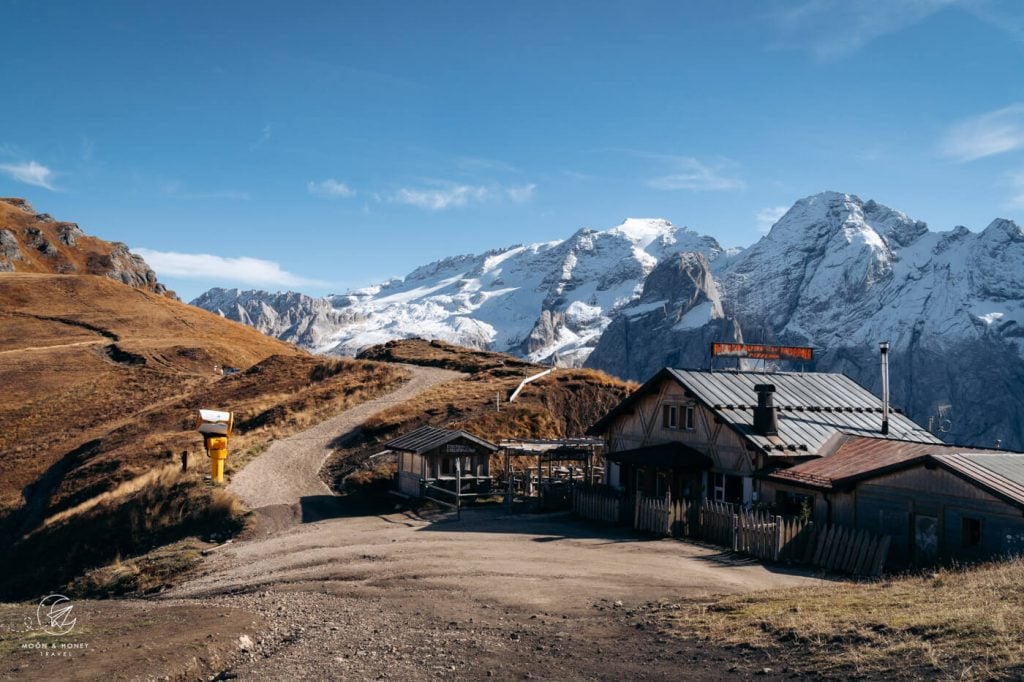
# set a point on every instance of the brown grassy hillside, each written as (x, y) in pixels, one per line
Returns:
(101, 382)
(35, 242)
(563, 403)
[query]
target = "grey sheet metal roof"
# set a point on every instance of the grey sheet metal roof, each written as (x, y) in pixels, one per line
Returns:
(812, 408)
(427, 438)
(1000, 474)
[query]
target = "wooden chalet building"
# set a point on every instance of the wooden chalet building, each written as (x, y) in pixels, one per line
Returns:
(814, 444)
(936, 501)
(698, 433)
(455, 461)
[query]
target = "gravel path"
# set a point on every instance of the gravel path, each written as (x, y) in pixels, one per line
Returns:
(290, 468)
(404, 597)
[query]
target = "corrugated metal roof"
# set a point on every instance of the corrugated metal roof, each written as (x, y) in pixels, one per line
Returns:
(857, 458)
(811, 408)
(1000, 473)
(428, 438)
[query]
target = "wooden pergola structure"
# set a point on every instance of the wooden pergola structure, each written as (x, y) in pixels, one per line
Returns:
(555, 466)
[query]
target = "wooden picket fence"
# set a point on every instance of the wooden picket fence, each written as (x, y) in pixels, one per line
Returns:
(716, 523)
(753, 532)
(653, 514)
(597, 504)
(839, 548)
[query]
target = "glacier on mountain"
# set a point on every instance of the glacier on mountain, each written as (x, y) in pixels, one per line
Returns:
(548, 301)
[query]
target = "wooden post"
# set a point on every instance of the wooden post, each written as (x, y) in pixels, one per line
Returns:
(509, 485)
(735, 532)
(458, 488)
(540, 478)
(778, 539)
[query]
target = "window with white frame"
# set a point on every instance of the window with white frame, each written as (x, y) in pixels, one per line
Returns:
(677, 417)
(718, 487)
(670, 416)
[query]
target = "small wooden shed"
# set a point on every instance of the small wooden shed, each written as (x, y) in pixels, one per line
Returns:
(442, 460)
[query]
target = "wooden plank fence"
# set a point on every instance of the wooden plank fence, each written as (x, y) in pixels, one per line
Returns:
(596, 504)
(839, 548)
(653, 515)
(753, 532)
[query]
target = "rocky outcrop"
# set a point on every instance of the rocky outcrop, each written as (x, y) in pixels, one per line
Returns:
(303, 320)
(35, 242)
(673, 323)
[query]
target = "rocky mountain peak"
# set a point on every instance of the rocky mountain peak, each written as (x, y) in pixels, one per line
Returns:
(36, 242)
(1003, 230)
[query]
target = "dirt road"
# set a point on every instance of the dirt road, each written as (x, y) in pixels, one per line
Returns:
(397, 596)
(290, 468)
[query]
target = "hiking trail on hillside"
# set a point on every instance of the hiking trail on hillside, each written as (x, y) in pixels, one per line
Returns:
(290, 468)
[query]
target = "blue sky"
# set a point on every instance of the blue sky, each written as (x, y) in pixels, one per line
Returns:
(323, 146)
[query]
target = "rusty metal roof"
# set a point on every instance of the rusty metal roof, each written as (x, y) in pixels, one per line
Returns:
(812, 408)
(855, 458)
(1000, 473)
(427, 438)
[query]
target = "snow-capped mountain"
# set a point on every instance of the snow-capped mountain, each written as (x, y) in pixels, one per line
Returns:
(835, 272)
(842, 274)
(549, 301)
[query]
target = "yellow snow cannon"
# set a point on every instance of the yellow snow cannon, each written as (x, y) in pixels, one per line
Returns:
(216, 427)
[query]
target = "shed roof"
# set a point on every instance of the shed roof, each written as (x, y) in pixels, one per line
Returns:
(1000, 473)
(812, 407)
(427, 438)
(855, 458)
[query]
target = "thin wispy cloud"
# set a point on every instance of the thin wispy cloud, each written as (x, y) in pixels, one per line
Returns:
(695, 175)
(522, 193)
(265, 134)
(330, 188)
(30, 173)
(835, 28)
(177, 190)
(438, 199)
(996, 132)
(476, 163)
(447, 195)
(204, 266)
(88, 149)
(767, 217)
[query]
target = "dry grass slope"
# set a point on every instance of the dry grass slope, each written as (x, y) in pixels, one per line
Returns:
(101, 383)
(565, 403)
(962, 623)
